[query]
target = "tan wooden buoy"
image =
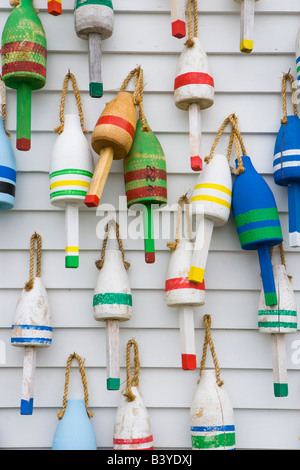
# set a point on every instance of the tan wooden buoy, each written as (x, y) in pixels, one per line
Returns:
(132, 429)
(32, 327)
(112, 301)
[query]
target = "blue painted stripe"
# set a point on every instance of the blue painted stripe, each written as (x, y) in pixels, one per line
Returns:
(298, 60)
(31, 340)
(33, 327)
(227, 428)
(259, 224)
(9, 173)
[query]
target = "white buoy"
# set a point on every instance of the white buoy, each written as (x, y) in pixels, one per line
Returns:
(247, 25)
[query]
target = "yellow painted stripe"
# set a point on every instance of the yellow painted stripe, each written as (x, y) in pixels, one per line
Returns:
(86, 184)
(72, 249)
(219, 187)
(196, 274)
(217, 200)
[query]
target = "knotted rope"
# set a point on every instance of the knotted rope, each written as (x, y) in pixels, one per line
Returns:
(3, 104)
(138, 95)
(285, 78)
(30, 283)
(134, 381)
(182, 199)
(99, 263)
(17, 3)
(192, 7)
(208, 341)
(282, 257)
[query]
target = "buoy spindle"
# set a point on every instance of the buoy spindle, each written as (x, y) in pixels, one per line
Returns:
(178, 18)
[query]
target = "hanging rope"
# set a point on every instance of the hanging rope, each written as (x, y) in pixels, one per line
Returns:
(282, 257)
(182, 199)
(192, 11)
(99, 263)
(71, 77)
(138, 95)
(134, 381)
(17, 3)
(3, 104)
(288, 76)
(208, 341)
(84, 382)
(30, 283)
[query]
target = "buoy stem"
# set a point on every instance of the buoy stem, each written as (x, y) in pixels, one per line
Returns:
(267, 275)
(95, 56)
(201, 249)
(187, 336)
(247, 25)
(195, 137)
(149, 234)
(23, 117)
(279, 365)
(294, 214)
(72, 236)
(100, 175)
(28, 381)
(112, 355)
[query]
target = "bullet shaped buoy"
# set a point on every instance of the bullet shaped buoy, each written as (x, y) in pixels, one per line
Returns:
(247, 25)
(24, 63)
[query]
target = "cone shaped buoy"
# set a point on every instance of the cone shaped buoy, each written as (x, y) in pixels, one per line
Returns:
(247, 25)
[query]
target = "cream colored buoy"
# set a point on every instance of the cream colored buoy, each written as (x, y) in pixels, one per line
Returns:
(194, 89)
(71, 172)
(247, 24)
(132, 429)
(32, 327)
(279, 320)
(181, 293)
(211, 413)
(112, 301)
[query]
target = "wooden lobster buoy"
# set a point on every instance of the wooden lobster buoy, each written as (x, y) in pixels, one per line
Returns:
(54, 7)
(71, 172)
(112, 139)
(112, 302)
(178, 18)
(211, 414)
(247, 24)
(75, 430)
(194, 88)
(32, 327)
(286, 164)
(8, 165)
(183, 294)
(279, 320)
(132, 429)
(24, 62)
(145, 174)
(94, 21)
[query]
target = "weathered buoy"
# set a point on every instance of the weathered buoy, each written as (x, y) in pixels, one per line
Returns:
(32, 327)
(71, 172)
(178, 18)
(112, 301)
(279, 320)
(247, 25)
(286, 164)
(211, 413)
(194, 88)
(181, 293)
(75, 430)
(54, 7)
(24, 63)
(132, 429)
(8, 165)
(94, 21)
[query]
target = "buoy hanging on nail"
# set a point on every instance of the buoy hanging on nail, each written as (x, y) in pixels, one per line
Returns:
(277, 321)
(132, 429)
(54, 7)
(75, 430)
(211, 413)
(32, 327)
(71, 172)
(286, 163)
(94, 21)
(182, 294)
(247, 25)
(24, 63)
(112, 300)
(178, 18)
(194, 87)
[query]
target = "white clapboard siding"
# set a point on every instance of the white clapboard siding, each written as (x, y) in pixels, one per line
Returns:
(248, 85)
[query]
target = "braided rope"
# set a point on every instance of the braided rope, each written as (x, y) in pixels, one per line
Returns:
(208, 341)
(30, 283)
(134, 381)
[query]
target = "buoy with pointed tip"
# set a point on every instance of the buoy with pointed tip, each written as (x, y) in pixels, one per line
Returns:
(24, 63)
(94, 21)
(132, 429)
(54, 7)
(247, 25)
(178, 18)
(32, 327)
(145, 174)
(112, 301)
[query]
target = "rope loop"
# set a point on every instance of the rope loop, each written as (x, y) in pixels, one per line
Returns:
(192, 11)
(138, 95)
(134, 381)
(285, 78)
(208, 341)
(3, 104)
(183, 199)
(100, 263)
(30, 283)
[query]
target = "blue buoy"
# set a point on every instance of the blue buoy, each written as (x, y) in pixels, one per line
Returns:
(8, 171)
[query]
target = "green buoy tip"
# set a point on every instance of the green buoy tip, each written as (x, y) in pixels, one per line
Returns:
(270, 298)
(281, 390)
(96, 90)
(72, 261)
(113, 384)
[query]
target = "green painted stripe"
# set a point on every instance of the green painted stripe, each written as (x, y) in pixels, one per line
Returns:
(140, 163)
(274, 324)
(260, 234)
(256, 216)
(71, 171)
(290, 313)
(144, 183)
(112, 298)
(69, 192)
(213, 441)
(82, 3)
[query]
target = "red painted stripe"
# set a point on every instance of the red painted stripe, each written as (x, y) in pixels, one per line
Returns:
(24, 66)
(150, 174)
(183, 283)
(117, 121)
(142, 440)
(24, 46)
(146, 192)
(193, 78)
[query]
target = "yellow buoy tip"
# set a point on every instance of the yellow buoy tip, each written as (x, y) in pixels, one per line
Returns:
(196, 274)
(246, 46)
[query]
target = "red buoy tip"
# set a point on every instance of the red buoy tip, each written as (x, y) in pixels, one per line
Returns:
(178, 29)
(150, 258)
(23, 144)
(188, 361)
(196, 163)
(92, 201)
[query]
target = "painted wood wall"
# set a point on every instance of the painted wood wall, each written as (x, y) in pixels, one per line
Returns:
(248, 85)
